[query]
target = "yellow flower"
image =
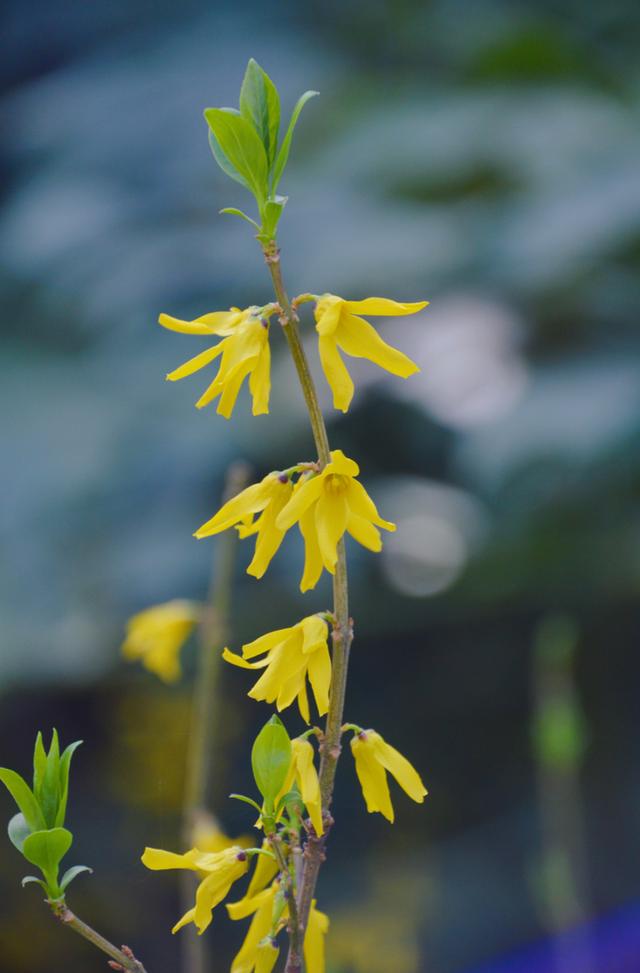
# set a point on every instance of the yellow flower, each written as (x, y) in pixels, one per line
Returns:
(374, 757)
(244, 350)
(313, 946)
(327, 505)
(266, 955)
(291, 656)
(156, 635)
(341, 329)
(261, 906)
(217, 872)
(207, 835)
(304, 774)
(266, 498)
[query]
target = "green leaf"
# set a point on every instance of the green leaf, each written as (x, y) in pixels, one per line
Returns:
(24, 798)
(72, 873)
(283, 154)
(260, 105)
(65, 762)
(32, 878)
(271, 217)
(232, 211)
(246, 800)
(46, 849)
(242, 147)
(270, 759)
(39, 765)
(18, 830)
(50, 792)
(224, 163)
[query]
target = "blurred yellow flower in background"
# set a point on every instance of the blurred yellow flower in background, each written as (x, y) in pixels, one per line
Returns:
(291, 656)
(268, 497)
(156, 635)
(325, 506)
(374, 757)
(217, 872)
(244, 349)
(341, 329)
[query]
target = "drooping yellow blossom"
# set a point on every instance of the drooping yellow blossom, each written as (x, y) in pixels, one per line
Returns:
(266, 955)
(156, 635)
(341, 329)
(216, 870)
(266, 498)
(303, 773)
(313, 946)
(326, 505)
(374, 757)
(244, 351)
(261, 906)
(291, 656)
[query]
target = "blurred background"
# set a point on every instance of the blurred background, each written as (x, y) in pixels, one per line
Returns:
(485, 156)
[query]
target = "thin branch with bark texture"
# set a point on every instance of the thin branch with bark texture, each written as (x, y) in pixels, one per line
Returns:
(121, 958)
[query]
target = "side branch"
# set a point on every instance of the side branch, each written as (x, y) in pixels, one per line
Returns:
(121, 959)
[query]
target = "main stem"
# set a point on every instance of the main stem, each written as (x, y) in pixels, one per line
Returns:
(123, 957)
(213, 634)
(342, 631)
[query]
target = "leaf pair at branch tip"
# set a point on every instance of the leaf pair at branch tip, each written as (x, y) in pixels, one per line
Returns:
(244, 143)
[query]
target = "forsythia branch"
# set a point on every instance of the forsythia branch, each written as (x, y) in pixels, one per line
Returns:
(122, 958)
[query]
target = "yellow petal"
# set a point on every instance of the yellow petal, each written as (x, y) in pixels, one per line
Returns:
(195, 364)
(312, 556)
(237, 660)
(269, 535)
(232, 386)
(266, 868)
(360, 503)
(341, 464)
(364, 532)
(260, 382)
(313, 947)
(320, 678)
(372, 777)
(315, 633)
(249, 904)
(214, 323)
(249, 501)
(327, 313)
(307, 776)
(158, 860)
(359, 339)
(398, 765)
(266, 956)
(269, 641)
(306, 491)
(335, 372)
(383, 305)
(188, 917)
(332, 513)
(245, 959)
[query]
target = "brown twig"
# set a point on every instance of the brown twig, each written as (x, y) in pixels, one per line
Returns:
(121, 959)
